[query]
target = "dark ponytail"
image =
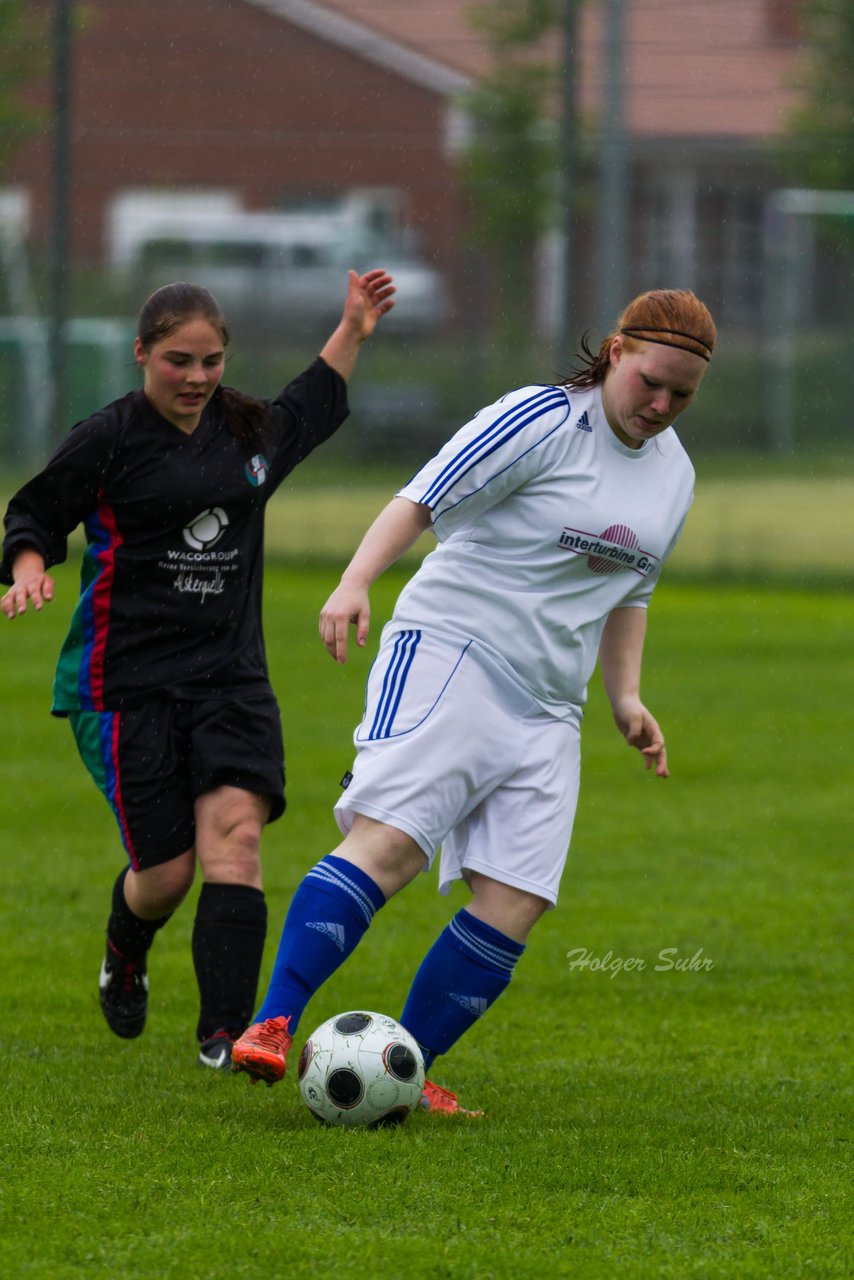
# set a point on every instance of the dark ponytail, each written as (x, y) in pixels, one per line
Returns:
(246, 418)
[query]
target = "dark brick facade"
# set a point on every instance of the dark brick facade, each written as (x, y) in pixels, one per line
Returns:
(220, 94)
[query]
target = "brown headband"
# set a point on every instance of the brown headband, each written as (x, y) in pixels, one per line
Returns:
(640, 330)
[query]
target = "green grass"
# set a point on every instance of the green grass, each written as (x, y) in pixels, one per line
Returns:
(759, 522)
(754, 518)
(751, 520)
(647, 1124)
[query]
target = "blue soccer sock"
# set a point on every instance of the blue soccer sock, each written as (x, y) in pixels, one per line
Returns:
(463, 973)
(328, 916)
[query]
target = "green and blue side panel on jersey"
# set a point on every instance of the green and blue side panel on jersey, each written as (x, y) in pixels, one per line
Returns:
(79, 681)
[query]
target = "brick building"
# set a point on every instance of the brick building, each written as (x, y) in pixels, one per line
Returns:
(280, 100)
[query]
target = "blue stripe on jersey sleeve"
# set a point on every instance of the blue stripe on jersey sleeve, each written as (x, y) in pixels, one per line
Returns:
(497, 434)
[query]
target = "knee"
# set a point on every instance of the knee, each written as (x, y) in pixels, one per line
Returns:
(158, 891)
(235, 857)
(390, 857)
(228, 838)
(510, 910)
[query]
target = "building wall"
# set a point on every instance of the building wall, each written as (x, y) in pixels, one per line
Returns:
(217, 94)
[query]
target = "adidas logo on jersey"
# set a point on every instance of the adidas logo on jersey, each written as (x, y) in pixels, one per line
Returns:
(583, 423)
(335, 932)
(477, 1005)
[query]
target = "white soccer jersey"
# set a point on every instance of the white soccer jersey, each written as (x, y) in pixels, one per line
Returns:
(545, 523)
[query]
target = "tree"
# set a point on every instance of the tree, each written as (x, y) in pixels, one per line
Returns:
(822, 128)
(22, 62)
(510, 165)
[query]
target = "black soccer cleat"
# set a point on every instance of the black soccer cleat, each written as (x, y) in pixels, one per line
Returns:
(123, 994)
(216, 1051)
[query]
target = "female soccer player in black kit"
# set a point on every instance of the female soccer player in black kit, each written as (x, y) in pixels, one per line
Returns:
(163, 674)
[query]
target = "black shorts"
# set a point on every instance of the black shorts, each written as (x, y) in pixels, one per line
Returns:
(152, 762)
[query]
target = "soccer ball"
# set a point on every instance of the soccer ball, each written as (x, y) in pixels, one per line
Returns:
(361, 1069)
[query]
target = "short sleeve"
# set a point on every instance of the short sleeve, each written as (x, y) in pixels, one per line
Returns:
(307, 412)
(495, 453)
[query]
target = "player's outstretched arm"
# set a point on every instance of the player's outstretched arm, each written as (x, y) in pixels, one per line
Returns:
(31, 582)
(620, 658)
(395, 530)
(369, 297)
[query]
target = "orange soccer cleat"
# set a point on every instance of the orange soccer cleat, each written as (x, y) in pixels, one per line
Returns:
(262, 1050)
(442, 1101)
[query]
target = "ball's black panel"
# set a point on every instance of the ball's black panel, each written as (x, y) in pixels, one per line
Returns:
(353, 1022)
(304, 1059)
(400, 1061)
(397, 1115)
(344, 1087)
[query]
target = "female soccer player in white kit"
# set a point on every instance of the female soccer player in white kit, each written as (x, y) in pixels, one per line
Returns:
(554, 510)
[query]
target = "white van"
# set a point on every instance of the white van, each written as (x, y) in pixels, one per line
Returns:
(289, 266)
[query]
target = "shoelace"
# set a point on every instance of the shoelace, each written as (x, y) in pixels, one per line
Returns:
(435, 1093)
(269, 1034)
(435, 1098)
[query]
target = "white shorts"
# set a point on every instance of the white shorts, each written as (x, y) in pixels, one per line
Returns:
(452, 751)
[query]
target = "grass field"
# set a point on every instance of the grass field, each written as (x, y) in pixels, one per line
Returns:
(658, 1122)
(756, 522)
(755, 517)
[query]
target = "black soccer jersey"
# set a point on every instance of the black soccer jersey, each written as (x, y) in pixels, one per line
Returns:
(170, 602)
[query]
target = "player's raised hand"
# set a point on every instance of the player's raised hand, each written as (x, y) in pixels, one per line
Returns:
(369, 296)
(347, 606)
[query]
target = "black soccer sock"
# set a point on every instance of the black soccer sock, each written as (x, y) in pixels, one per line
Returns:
(228, 945)
(128, 934)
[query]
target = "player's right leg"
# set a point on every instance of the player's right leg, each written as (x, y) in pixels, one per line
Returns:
(134, 757)
(410, 783)
(328, 917)
(142, 903)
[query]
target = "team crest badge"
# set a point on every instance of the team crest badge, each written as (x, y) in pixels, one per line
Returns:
(256, 470)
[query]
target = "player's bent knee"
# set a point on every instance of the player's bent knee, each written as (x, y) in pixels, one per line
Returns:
(229, 824)
(389, 856)
(157, 890)
(236, 860)
(513, 911)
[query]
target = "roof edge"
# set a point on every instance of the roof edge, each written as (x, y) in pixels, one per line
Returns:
(363, 41)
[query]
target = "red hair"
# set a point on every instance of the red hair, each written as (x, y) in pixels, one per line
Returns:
(672, 317)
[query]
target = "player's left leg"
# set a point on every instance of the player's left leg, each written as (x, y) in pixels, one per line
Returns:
(231, 917)
(468, 967)
(510, 849)
(237, 777)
